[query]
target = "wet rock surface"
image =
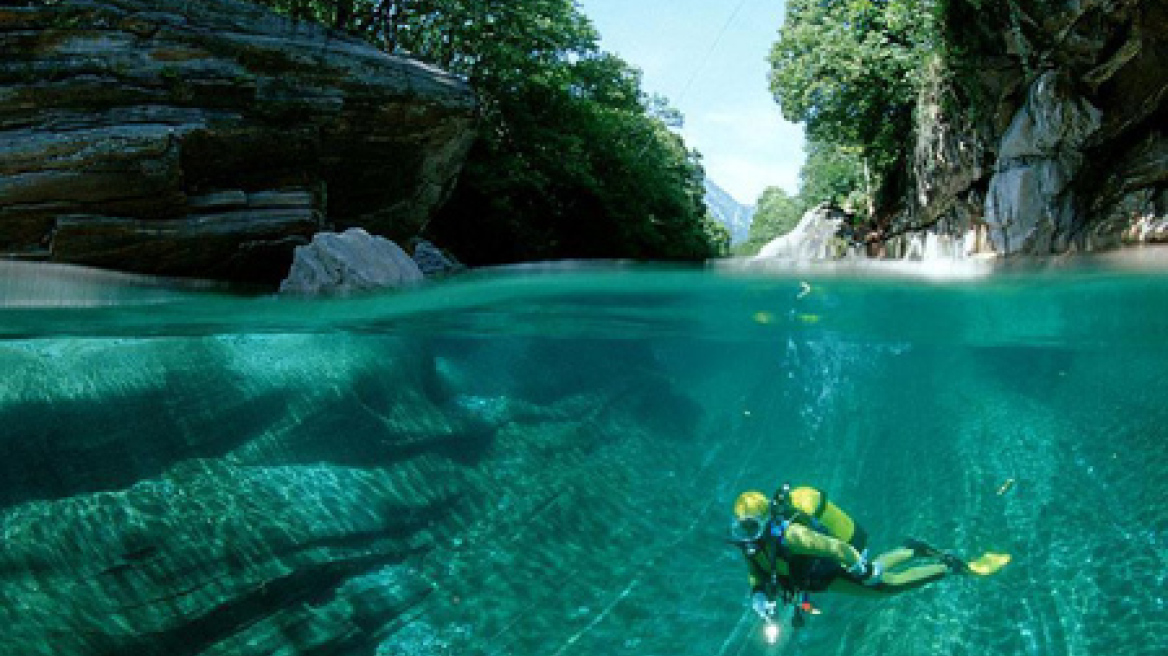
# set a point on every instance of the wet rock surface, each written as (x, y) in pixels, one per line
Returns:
(1064, 148)
(209, 139)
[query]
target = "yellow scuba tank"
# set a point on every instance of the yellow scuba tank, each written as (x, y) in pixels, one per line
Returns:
(810, 506)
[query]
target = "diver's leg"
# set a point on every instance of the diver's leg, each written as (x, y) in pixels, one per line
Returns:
(894, 558)
(913, 577)
(843, 585)
(891, 582)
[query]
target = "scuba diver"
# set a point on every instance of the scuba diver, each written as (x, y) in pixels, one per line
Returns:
(797, 542)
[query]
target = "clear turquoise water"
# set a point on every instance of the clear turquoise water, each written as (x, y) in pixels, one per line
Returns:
(613, 416)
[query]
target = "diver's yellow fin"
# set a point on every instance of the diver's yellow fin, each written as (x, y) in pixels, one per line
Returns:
(988, 563)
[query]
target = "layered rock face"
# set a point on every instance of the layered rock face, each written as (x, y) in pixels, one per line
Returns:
(1065, 146)
(209, 139)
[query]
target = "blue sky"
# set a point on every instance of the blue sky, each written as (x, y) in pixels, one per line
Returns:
(708, 57)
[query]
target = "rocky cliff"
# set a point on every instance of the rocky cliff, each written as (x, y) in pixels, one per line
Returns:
(210, 138)
(1045, 124)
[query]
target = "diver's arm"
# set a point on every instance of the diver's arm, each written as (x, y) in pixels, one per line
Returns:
(806, 542)
(760, 601)
(756, 575)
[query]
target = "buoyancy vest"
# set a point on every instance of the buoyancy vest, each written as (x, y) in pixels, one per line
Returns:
(811, 508)
(774, 556)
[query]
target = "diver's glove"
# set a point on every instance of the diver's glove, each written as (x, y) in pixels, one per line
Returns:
(762, 605)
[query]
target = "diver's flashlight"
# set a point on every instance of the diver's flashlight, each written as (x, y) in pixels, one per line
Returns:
(772, 633)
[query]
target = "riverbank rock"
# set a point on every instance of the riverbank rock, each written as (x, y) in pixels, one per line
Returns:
(351, 261)
(209, 139)
(814, 238)
(434, 262)
(1057, 140)
(1030, 206)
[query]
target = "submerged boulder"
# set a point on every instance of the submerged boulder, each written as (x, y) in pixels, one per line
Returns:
(209, 139)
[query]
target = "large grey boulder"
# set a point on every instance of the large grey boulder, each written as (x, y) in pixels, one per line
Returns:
(352, 261)
(814, 238)
(210, 138)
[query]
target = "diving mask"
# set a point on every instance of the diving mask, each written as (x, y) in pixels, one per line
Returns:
(747, 529)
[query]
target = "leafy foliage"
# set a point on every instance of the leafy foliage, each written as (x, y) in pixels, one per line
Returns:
(832, 174)
(848, 69)
(777, 213)
(602, 178)
(572, 158)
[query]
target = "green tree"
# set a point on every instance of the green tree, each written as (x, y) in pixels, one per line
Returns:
(833, 174)
(582, 170)
(776, 214)
(572, 158)
(849, 70)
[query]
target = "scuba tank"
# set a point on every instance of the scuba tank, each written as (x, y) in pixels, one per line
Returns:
(810, 507)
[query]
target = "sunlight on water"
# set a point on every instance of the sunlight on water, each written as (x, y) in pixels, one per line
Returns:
(541, 462)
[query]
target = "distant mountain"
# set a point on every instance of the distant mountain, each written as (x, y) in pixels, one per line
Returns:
(729, 212)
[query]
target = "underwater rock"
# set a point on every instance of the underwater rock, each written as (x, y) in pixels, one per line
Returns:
(168, 506)
(209, 139)
(348, 262)
(305, 494)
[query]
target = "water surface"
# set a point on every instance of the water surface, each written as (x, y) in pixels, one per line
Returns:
(541, 461)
